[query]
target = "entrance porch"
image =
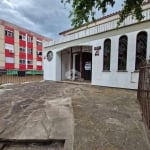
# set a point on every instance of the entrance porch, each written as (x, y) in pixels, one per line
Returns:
(76, 63)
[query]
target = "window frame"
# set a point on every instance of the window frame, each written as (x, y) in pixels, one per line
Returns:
(22, 61)
(39, 43)
(22, 37)
(30, 62)
(9, 33)
(104, 58)
(29, 39)
(137, 56)
(39, 53)
(125, 51)
(9, 60)
(22, 49)
(29, 51)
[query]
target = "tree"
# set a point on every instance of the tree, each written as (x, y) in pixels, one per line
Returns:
(83, 10)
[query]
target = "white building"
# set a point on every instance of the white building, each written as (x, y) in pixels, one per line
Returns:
(100, 52)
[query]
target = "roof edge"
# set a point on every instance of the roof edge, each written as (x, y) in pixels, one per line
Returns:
(99, 19)
(6, 23)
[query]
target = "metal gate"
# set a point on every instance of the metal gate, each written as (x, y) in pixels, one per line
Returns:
(143, 94)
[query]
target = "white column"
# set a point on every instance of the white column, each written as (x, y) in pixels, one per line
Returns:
(73, 69)
(114, 54)
(148, 45)
(131, 51)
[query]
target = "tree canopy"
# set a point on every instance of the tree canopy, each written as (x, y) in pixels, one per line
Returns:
(84, 10)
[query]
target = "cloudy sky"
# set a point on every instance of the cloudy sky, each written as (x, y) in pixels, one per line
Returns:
(46, 17)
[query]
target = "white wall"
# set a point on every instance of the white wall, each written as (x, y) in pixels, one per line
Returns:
(128, 79)
(52, 69)
(65, 65)
(49, 67)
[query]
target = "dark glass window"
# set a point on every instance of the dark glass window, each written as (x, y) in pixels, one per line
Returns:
(22, 61)
(9, 33)
(106, 56)
(122, 54)
(141, 47)
(29, 39)
(22, 37)
(39, 53)
(30, 62)
(30, 51)
(22, 49)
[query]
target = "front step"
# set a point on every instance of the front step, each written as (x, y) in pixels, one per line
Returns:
(50, 144)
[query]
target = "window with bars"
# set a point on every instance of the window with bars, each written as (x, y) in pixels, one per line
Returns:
(122, 53)
(106, 55)
(141, 48)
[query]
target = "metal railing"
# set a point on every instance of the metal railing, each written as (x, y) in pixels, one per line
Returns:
(6, 77)
(143, 94)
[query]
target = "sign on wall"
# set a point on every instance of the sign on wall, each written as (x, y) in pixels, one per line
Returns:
(97, 49)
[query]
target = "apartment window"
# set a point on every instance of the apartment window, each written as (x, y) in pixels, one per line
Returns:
(22, 37)
(39, 63)
(29, 51)
(106, 55)
(141, 47)
(9, 33)
(9, 60)
(22, 49)
(29, 39)
(122, 54)
(39, 53)
(22, 61)
(39, 43)
(9, 47)
(30, 62)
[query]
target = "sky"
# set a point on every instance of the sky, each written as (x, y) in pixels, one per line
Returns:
(46, 17)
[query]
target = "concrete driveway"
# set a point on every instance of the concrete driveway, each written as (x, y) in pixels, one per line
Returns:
(86, 117)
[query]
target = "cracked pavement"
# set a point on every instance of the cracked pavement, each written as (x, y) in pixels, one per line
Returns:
(87, 117)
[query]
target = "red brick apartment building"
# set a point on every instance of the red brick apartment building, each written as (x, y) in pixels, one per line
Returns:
(20, 49)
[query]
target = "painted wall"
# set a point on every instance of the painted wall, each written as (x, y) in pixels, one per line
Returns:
(50, 68)
(128, 79)
(6, 42)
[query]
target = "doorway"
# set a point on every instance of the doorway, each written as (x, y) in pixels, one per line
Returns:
(83, 64)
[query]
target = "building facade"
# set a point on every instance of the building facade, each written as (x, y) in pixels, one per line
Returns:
(20, 49)
(101, 52)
